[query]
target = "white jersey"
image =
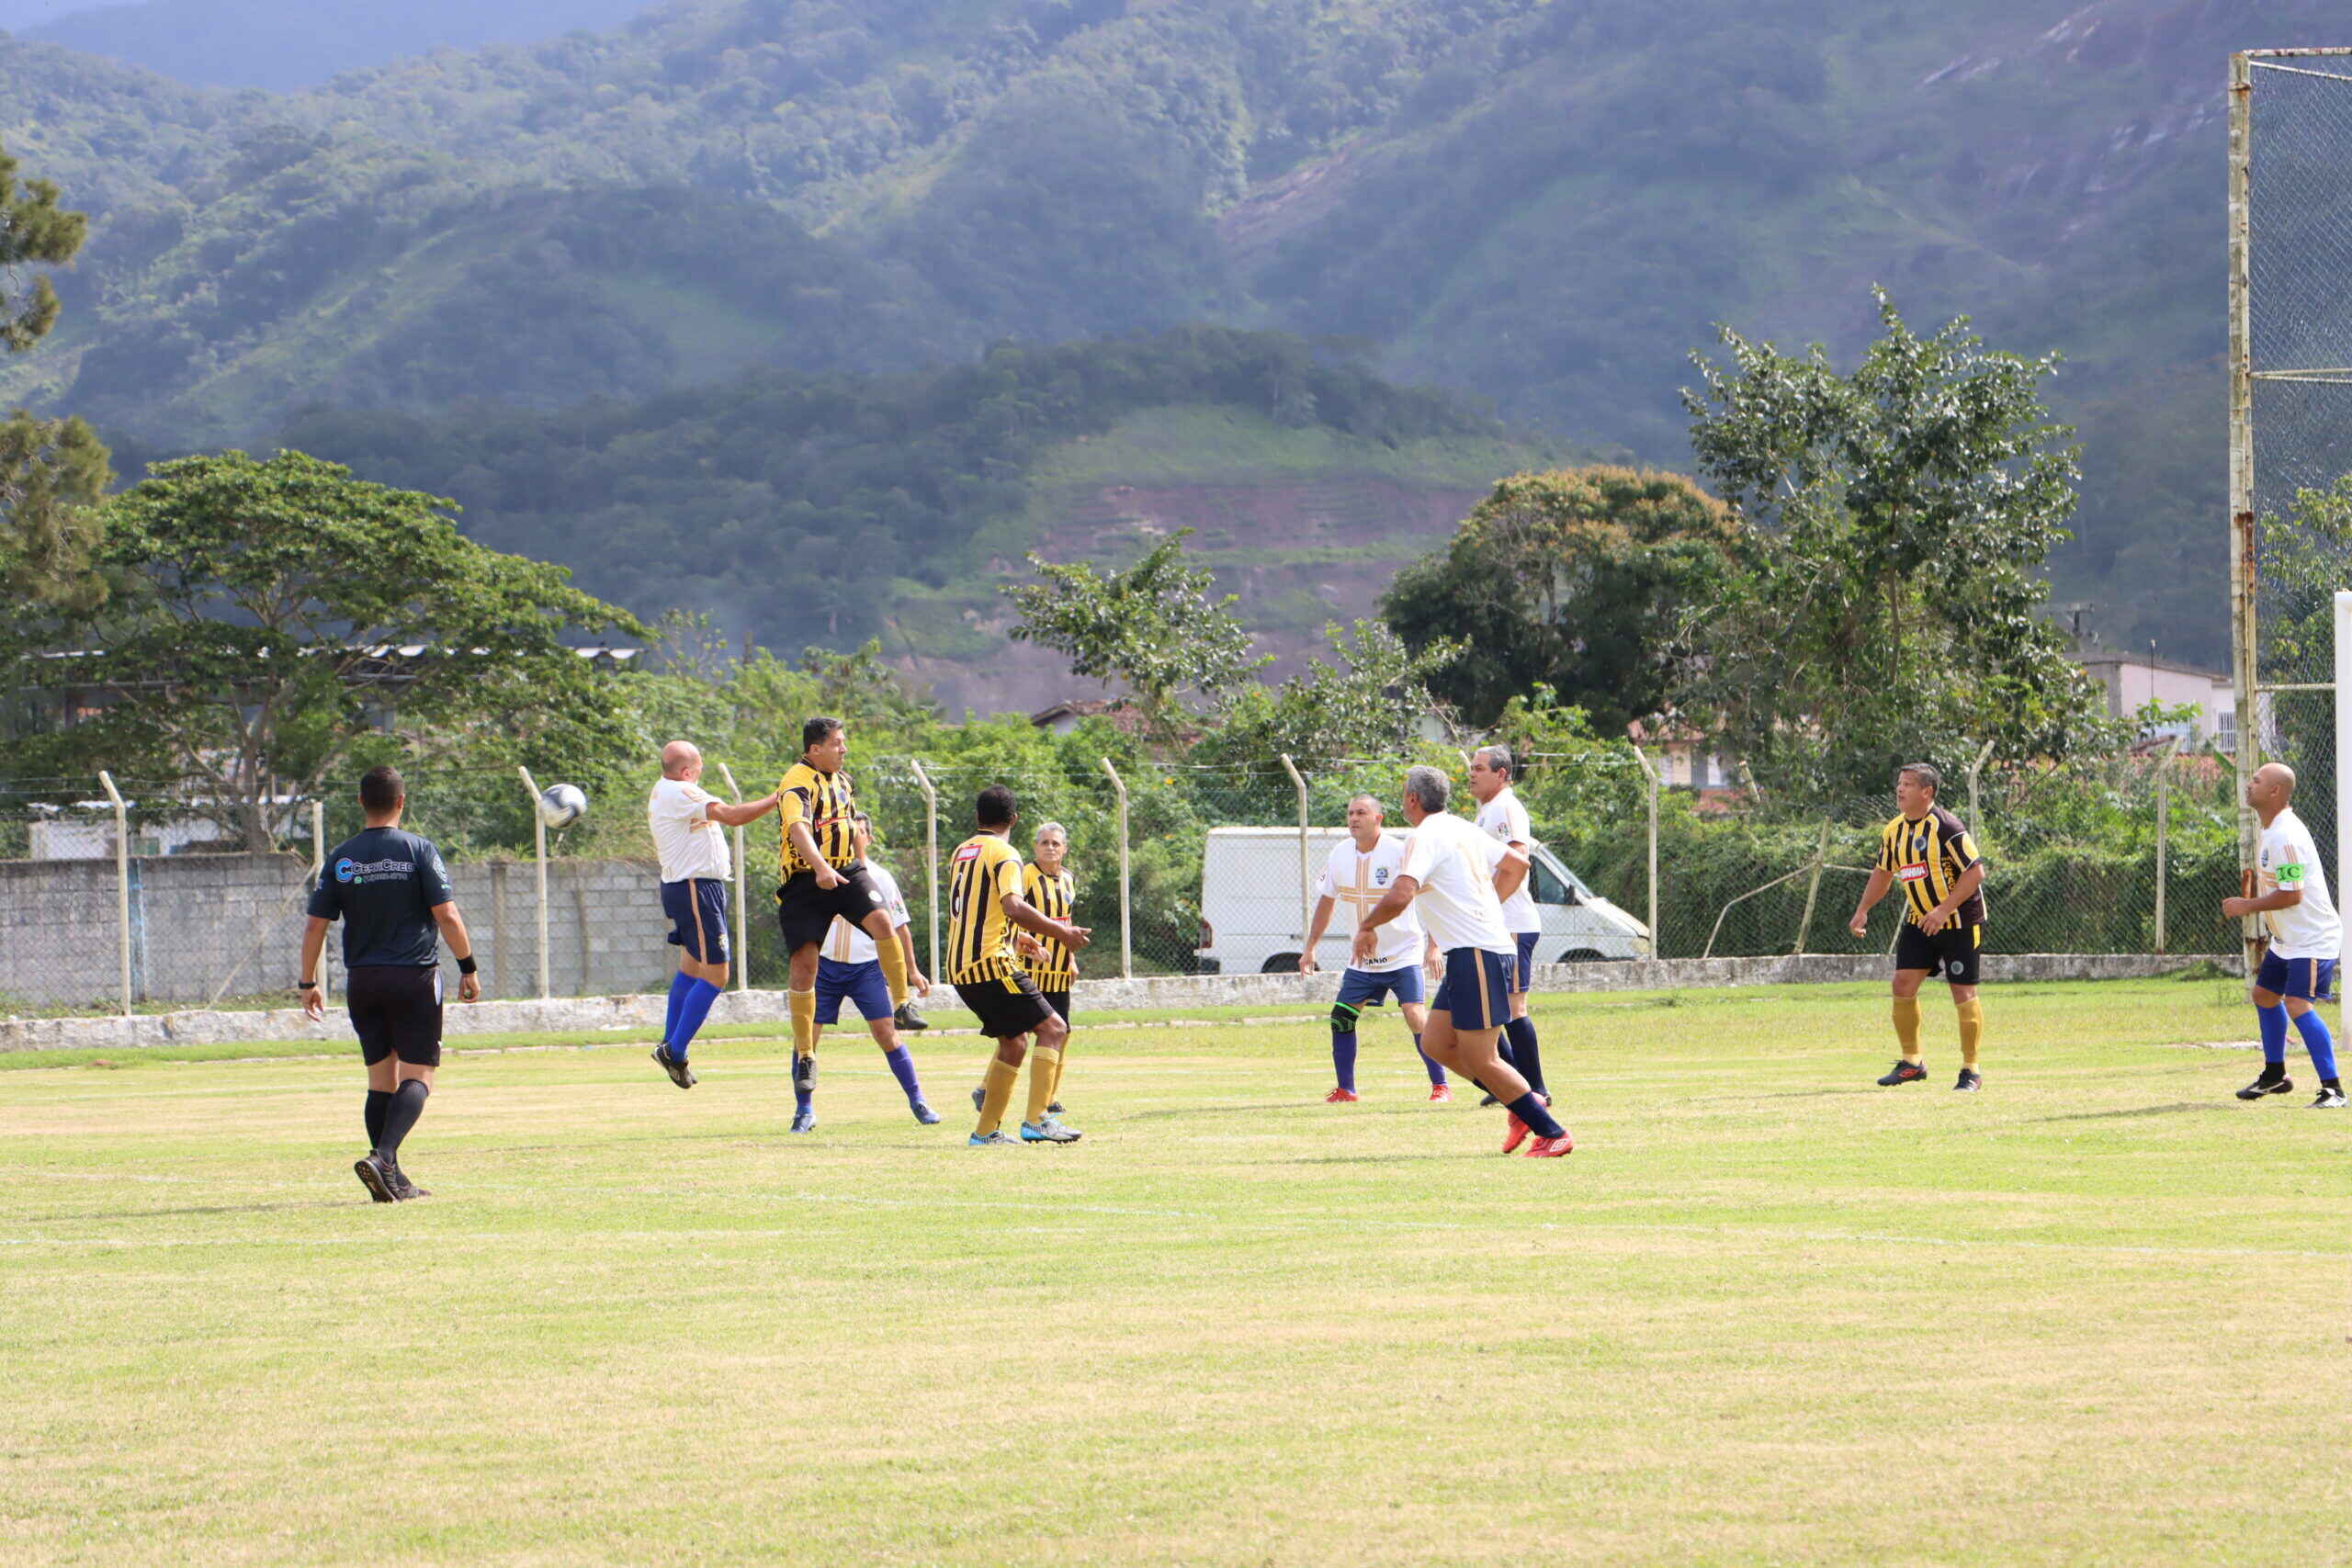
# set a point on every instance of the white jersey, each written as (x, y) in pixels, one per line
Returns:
(2291, 860)
(846, 943)
(686, 840)
(1506, 819)
(1454, 865)
(1357, 879)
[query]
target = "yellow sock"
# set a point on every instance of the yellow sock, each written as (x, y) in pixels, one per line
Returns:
(1906, 1026)
(997, 1095)
(804, 1022)
(894, 967)
(1061, 1060)
(1972, 1029)
(1044, 1066)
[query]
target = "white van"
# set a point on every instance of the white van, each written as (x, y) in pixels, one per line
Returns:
(1252, 917)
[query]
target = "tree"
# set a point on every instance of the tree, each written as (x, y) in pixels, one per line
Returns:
(1581, 579)
(1153, 626)
(1367, 702)
(1884, 600)
(271, 615)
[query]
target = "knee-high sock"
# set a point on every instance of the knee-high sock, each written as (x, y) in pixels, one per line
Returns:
(1972, 1029)
(680, 983)
(894, 968)
(1061, 1060)
(803, 1007)
(1524, 1056)
(1436, 1067)
(2319, 1042)
(902, 1067)
(408, 1104)
(690, 1013)
(1043, 1061)
(1906, 1026)
(1343, 1046)
(379, 1101)
(2272, 1022)
(996, 1094)
(1510, 1058)
(1529, 1107)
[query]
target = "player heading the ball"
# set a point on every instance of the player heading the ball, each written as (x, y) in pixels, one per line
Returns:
(685, 820)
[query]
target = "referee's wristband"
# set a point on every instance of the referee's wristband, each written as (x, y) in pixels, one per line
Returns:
(466, 965)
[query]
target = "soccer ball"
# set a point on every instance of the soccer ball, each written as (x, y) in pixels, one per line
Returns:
(562, 805)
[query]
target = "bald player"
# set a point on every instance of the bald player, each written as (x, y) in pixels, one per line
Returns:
(686, 821)
(2302, 939)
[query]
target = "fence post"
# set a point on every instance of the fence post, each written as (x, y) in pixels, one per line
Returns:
(121, 884)
(1305, 883)
(1812, 888)
(2164, 829)
(1649, 775)
(930, 853)
(1976, 814)
(742, 892)
(1126, 929)
(318, 876)
(539, 851)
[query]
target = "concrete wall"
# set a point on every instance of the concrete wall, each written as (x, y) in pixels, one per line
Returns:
(198, 921)
(641, 1013)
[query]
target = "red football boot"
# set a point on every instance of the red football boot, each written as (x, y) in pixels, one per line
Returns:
(1515, 1135)
(1341, 1097)
(1440, 1094)
(1552, 1148)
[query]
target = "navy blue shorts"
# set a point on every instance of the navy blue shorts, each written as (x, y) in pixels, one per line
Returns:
(2305, 979)
(697, 911)
(861, 984)
(1525, 973)
(1475, 990)
(1369, 988)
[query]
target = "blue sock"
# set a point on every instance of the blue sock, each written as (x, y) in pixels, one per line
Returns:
(1502, 1049)
(1521, 1033)
(690, 1013)
(680, 983)
(1529, 1109)
(1436, 1070)
(1343, 1057)
(2273, 1020)
(902, 1067)
(2319, 1042)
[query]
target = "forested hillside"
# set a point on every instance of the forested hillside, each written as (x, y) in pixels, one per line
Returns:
(1546, 205)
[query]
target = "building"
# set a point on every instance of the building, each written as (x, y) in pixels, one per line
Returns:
(2132, 681)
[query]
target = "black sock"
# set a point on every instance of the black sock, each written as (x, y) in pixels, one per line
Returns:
(2272, 1072)
(2330, 1083)
(408, 1104)
(1521, 1033)
(378, 1102)
(1529, 1109)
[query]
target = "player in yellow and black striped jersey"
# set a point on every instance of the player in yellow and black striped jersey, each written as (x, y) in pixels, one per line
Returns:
(1928, 852)
(986, 907)
(825, 876)
(1045, 884)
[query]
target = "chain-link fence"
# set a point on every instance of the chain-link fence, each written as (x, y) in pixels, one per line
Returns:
(1179, 868)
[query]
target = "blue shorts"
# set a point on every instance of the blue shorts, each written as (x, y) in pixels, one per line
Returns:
(1525, 973)
(2305, 979)
(697, 911)
(1475, 990)
(1368, 987)
(860, 983)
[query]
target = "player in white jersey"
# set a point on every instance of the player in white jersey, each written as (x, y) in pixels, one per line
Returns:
(1360, 871)
(2304, 940)
(1450, 868)
(849, 967)
(1501, 814)
(687, 823)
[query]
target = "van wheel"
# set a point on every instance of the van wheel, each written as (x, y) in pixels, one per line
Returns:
(1580, 955)
(1280, 963)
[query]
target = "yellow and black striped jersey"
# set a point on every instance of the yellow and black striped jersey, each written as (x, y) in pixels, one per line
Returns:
(821, 800)
(1050, 896)
(986, 869)
(1926, 858)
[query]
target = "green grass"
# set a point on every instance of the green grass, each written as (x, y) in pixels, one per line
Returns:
(1766, 1314)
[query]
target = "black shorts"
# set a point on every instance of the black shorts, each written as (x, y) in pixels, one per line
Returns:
(1008, 1008)
(1058, 1002)
(806, 910)
(1951, 951)
(396, 1008)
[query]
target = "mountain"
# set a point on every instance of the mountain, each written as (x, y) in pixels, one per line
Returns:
(282, 46)
(1545, 203)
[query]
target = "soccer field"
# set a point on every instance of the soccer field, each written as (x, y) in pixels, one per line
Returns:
(1766, 1313)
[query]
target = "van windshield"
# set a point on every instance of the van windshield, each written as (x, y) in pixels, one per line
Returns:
(1547, 884)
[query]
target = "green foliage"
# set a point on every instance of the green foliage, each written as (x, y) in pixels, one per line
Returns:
(33, 230)
(53, 473)
(1883, 602)
(1583, 580)
(1369, 700)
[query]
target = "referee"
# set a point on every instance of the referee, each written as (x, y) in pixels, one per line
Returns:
(392, 894)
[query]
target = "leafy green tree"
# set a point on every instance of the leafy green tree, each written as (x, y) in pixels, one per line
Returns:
(258, 637)
(1883, 602)
(1154, 627)
(1581, 579)
(1367, 701)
